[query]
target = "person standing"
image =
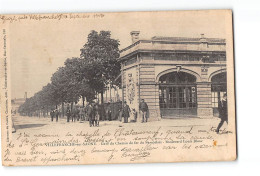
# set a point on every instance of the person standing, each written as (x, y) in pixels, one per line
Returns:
(90, 114)
(68, 113)
(126, 112)
(135, 115)
(73, 114)
(96, 115)
(81, 114)
(52, 115)
(57, 114)
(143, 110)
(223, 113)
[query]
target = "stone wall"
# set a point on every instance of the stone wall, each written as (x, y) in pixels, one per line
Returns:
(204, 107)
(149, 91)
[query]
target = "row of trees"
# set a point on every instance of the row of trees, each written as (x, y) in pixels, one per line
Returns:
(82, 77)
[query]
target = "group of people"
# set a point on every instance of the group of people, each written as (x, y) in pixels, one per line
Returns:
(93, 112)
(89, 113)
(55, 114)
(143, 107)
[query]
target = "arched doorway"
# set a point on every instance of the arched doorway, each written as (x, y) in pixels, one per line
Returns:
(218, 88)
(177, 95)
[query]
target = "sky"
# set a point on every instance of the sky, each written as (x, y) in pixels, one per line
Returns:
(39, 48)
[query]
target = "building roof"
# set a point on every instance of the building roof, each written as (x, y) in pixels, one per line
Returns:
(174, 44)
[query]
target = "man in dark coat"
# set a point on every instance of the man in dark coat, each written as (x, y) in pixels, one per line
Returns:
(96, 115)
(68, 113)
(74, 114)
(82, 114)
(126, 112)
(223, 113)
(109, 111)
(90, 114)
(57, 114)
(143, 110)
(52, 115)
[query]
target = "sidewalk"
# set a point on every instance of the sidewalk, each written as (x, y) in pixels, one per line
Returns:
(25, 122)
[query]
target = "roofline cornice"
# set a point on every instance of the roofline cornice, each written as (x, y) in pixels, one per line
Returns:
(168, 52)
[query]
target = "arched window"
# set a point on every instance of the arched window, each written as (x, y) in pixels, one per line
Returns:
(177, 78)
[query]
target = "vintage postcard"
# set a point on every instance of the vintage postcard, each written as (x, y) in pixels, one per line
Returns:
(128, 87)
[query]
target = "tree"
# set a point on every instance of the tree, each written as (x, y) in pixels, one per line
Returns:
(101, 54)
(79, 78)
(82, 77)
(59, 85)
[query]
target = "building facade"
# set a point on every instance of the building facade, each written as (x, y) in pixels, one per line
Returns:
(16, 103)
(176, 76)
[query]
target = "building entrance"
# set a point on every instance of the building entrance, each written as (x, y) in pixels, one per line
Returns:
(177, 93)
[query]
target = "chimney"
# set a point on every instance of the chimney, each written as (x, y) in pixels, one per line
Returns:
(202, 38)
(203, 42)
(135, 36)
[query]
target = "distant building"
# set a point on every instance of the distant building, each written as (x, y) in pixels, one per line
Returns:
(16, 103)
(177, 76)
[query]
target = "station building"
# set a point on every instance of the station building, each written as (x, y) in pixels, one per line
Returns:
(176, 76)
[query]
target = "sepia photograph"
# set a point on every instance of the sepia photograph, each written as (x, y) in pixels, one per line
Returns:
(126, 87)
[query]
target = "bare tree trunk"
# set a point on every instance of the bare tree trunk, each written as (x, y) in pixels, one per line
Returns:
(102, 97)
(110, 98)
(83, 100)
(71, 106)
(62, 109)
